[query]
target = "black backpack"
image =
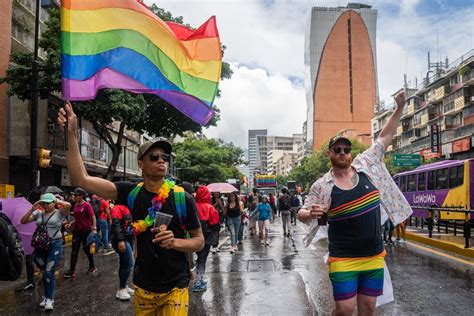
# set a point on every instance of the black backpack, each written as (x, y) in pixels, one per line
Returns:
(95, 203)
(285, 203)
(11, 250)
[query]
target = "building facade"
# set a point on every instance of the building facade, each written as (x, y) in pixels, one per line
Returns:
(341, 74)
(254, 150)
(444, 102)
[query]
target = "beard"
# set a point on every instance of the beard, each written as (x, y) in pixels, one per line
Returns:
(341, 163)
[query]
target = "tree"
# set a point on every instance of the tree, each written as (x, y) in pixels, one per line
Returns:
(316, 165)
(141, 113)
(207, 160)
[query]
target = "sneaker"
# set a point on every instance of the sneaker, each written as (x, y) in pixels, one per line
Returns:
(232, 249)
(43, 302)
(204, 282)
(69, 274)
(123, 295)
(130, 290)
(48, 304)
(267, 243)
(199, 287)
(214, 251)
(92, 270)
(262, 242)
(402, 241)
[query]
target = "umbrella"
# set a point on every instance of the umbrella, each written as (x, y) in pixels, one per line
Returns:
(15, 209)
(53, 189)
(222, 187)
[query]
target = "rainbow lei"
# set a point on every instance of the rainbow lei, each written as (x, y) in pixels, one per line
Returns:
(157, 203)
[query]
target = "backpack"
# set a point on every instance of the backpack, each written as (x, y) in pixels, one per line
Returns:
(11, 250)
(41, 239)
(95, 203)
(285, 203)
(179, 200)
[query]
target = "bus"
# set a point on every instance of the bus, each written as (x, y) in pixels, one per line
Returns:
(447, 183)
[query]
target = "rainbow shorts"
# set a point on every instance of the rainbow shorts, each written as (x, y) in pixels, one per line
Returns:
(350, 276)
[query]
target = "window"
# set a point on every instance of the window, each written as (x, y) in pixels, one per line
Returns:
(442, 179)
(422, 181)
(431, 180)
(411, 183)
(396, 180)
(403, 183)
(456, 176)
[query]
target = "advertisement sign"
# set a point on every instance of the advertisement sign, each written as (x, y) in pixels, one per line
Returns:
(435, 138)
(463, 144)
(428, 154)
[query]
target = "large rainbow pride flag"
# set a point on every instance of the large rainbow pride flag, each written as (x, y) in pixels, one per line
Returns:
(121, 44)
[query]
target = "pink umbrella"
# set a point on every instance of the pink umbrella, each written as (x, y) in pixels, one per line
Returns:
(222, 187)
(15, 209)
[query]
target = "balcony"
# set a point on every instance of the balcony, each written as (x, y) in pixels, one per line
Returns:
(459, 103)
(399, 130)
(424, 119)
(410, 109)
(438, 94)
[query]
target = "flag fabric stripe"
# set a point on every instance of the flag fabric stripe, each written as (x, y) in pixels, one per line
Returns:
(115, 41)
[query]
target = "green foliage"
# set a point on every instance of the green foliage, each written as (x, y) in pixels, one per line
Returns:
(315, 166)
(207, 160)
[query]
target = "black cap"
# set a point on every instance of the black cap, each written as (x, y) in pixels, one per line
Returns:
(160, 142)
(79, 191)
(337, 138)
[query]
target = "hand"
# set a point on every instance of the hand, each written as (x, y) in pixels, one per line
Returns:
(71, 118)
(35, 206)
(164, 238)
(316, 211)
(121, 246)
(400, 100)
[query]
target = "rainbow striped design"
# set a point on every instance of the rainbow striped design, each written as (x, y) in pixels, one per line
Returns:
(350, 276)
(180, 201)
(122, 44)
(356, 207)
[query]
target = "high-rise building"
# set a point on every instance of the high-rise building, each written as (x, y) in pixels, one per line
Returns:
(341, 72)
(254, 151)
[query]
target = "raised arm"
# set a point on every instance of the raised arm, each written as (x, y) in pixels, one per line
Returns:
(390, 127)
(75, 165)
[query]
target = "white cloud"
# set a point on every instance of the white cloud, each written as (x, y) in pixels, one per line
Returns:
(254, 99)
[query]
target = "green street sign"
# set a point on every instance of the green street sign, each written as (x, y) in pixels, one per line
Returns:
(406, 160)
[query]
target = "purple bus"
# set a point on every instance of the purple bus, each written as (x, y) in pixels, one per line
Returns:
(447, 183)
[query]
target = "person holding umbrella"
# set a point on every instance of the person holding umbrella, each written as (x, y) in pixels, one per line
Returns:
(48, 258)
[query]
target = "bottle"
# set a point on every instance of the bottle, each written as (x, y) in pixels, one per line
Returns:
(92, 248)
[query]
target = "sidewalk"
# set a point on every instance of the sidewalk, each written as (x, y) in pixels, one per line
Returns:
(446, 242)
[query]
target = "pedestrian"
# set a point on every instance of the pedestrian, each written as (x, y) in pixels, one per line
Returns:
(401, 232)
(354, 193)
(83, 224)
(388, 232)
(295, 206)
(101, 209)
(210, 225)
(233, 213)
(265, 215)
(218, 204)
(252, 202)
(49, 222)
(240, 235)
(161, 272)
(271, 200)
(123, 244)
(284, 207)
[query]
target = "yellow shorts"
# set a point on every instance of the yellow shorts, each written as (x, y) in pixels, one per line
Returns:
(174, 302)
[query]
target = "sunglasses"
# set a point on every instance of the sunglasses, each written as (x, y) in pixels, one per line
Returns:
(337, 150)
(154, 157)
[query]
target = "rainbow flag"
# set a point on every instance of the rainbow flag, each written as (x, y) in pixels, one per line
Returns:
(121, 44)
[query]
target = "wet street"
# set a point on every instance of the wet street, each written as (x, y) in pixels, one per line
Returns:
(280, 279)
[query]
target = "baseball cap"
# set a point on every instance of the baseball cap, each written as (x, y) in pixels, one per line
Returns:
(160, 142)
(79, 191)
(47, 198)
(337, 138)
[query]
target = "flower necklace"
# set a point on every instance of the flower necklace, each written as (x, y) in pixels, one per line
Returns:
(157, 203)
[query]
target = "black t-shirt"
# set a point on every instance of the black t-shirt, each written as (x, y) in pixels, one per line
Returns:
(354, 221)
(156, 269)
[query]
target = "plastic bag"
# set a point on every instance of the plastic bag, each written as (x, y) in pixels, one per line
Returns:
(387, 295)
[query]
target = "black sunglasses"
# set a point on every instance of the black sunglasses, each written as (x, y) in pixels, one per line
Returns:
(154, 157)
(337, 150)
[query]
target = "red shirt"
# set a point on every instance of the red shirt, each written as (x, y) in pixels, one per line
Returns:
(83, 214)
(104, 205)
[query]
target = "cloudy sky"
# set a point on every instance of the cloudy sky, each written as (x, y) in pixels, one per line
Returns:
(265, 39)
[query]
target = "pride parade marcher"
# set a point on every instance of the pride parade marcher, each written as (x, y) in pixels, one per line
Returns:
(161, 272)
(265, 216)
(48, 254)
(355, 195)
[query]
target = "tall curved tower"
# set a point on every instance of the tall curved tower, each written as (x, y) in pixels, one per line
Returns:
(341, 73)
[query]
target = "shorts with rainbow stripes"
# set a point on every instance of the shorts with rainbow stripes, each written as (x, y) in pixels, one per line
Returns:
(352, 276)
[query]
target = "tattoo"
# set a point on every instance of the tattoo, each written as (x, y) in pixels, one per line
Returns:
(355, 179)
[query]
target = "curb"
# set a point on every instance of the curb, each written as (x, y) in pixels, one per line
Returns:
(443, 245)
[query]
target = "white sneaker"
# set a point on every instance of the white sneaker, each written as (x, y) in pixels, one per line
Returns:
(267, 243)
(232, 249)
(123, 295)
(43, 302)
(262, 242)
(130, 290)
(48, 305)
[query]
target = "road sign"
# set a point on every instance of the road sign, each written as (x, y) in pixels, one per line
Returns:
(406, 160)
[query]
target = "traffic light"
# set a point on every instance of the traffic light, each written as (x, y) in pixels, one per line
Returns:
(44, 158)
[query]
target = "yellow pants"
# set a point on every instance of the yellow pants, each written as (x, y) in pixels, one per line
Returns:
(173, 303)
